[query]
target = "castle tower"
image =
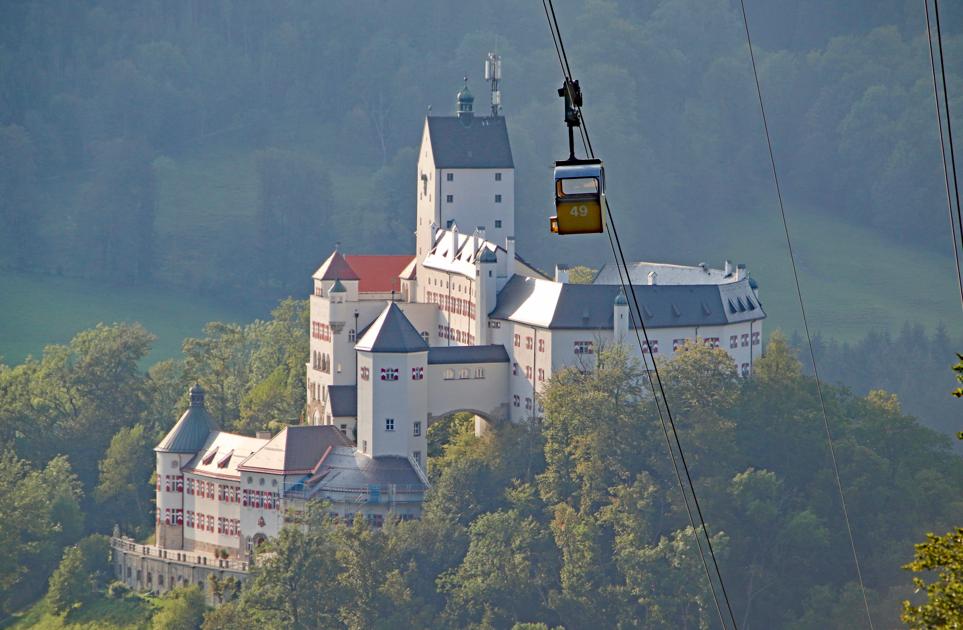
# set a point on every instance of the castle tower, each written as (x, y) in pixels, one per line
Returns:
(466, 175)
(392, 390)
(175, 450)
(332, 359)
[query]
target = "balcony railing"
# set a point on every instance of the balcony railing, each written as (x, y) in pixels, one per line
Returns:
(194, 558)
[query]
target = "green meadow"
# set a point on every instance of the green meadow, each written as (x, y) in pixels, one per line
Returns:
(38, 310)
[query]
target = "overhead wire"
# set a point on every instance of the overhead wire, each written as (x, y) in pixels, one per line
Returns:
(620, 263)
(939, 122)
(802, 309)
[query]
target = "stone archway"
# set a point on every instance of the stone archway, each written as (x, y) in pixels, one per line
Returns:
(258, 539)
(484, 420)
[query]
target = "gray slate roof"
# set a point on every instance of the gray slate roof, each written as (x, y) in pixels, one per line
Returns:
(482, 144)
(590, 306)
(190, 432)
(344, 400)
(468, 354)
(295, 450)
(348, 468)
(392, 332)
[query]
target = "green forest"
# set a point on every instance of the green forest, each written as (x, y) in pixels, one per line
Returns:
(573, 520)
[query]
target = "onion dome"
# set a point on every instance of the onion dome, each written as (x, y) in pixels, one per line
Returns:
(620, 299)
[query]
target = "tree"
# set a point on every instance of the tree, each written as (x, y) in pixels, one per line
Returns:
(294, 201)
(18, 194)
(118, 211)
(70, 584)
(125, 473)
(944, 607)
(582, 275)
(184, 610)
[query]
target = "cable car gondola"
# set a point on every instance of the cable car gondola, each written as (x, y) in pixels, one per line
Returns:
(579, 184)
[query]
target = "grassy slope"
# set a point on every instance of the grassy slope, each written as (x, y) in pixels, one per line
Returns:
(41, 310)
(126, 614)
(852, 279)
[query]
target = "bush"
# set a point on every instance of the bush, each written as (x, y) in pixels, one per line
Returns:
(117, 590)
(70, 584)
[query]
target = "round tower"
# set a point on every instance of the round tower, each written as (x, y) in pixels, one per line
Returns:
(175, 450)
(621, 318)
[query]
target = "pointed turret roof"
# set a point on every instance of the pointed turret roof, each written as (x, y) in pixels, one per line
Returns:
(192, 430)
(336, 268)
(392, 332)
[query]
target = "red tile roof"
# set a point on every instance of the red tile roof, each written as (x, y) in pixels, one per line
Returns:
(377, 272)
(335, 268)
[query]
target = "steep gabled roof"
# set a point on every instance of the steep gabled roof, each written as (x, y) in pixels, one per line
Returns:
(392, 332)
(377, 272)
(335, 268)
(295, 450)
(344, 400)
(190, 432)
(483, 143)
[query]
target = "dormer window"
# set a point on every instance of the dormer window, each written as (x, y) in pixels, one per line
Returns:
(210, 456)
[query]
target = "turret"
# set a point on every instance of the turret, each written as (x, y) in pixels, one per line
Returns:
(464, 105)
(621, 318)
(176, 449)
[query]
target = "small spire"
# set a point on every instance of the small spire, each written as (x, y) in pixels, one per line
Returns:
(197, 395)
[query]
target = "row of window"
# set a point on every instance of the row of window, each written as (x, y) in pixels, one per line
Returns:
(529, 343)
(517, 402)
(451, 177)
(451, 304)
(320, 331)
(451, 199)
(528, 372)
(464, 373)
(172, 483)
(321, 361)
(447, 332)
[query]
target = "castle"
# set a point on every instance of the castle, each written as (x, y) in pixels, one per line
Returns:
(462, 325)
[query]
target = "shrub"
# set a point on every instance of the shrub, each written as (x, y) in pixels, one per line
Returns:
(117, 590)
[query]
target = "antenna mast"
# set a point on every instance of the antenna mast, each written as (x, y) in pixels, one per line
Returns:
(493, 73)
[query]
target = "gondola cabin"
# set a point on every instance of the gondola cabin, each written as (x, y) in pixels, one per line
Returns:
(579, 197)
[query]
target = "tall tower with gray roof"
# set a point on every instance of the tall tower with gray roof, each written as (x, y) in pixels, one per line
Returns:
(466, 176)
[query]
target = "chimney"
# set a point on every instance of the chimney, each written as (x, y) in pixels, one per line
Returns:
(263, 435)
(561, 274)
(741, 272)
(480, 230)
(510, 262)
(454, 241)
(728, 268)
(653, 278)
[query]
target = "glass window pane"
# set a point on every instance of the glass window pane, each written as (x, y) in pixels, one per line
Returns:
(579, 186)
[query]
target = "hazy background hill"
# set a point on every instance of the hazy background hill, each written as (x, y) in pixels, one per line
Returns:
(215, 153)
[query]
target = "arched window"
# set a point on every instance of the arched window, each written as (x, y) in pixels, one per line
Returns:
(351, 335)
(464, 373)
(449, 374)
(480, 373)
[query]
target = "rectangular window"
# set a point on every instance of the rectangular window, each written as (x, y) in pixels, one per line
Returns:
(745, 340)
(541, 374)
(364, 446)
(417, 429)
(528, 343)
(528, 403)
(712, 342)
(365, 373)
(498, 177)
(518, 341)
(516, 401)
(417, 373)
(528, 371)
(514, 369)
(480, 373)
(652, 344)
(745, 369)
(450, 177)
(389, 424)
(733, 341)
(541, 345)
(677, 343)
(755, 339)
(389, 374)
(498, 198)
(449, 199)
(417, 457)
(498, 224)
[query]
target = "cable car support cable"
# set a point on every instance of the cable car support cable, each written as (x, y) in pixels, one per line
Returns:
(939, 122)
(802, 309)
(560, 49)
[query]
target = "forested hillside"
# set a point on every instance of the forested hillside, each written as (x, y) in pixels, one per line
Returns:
(304, 114)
